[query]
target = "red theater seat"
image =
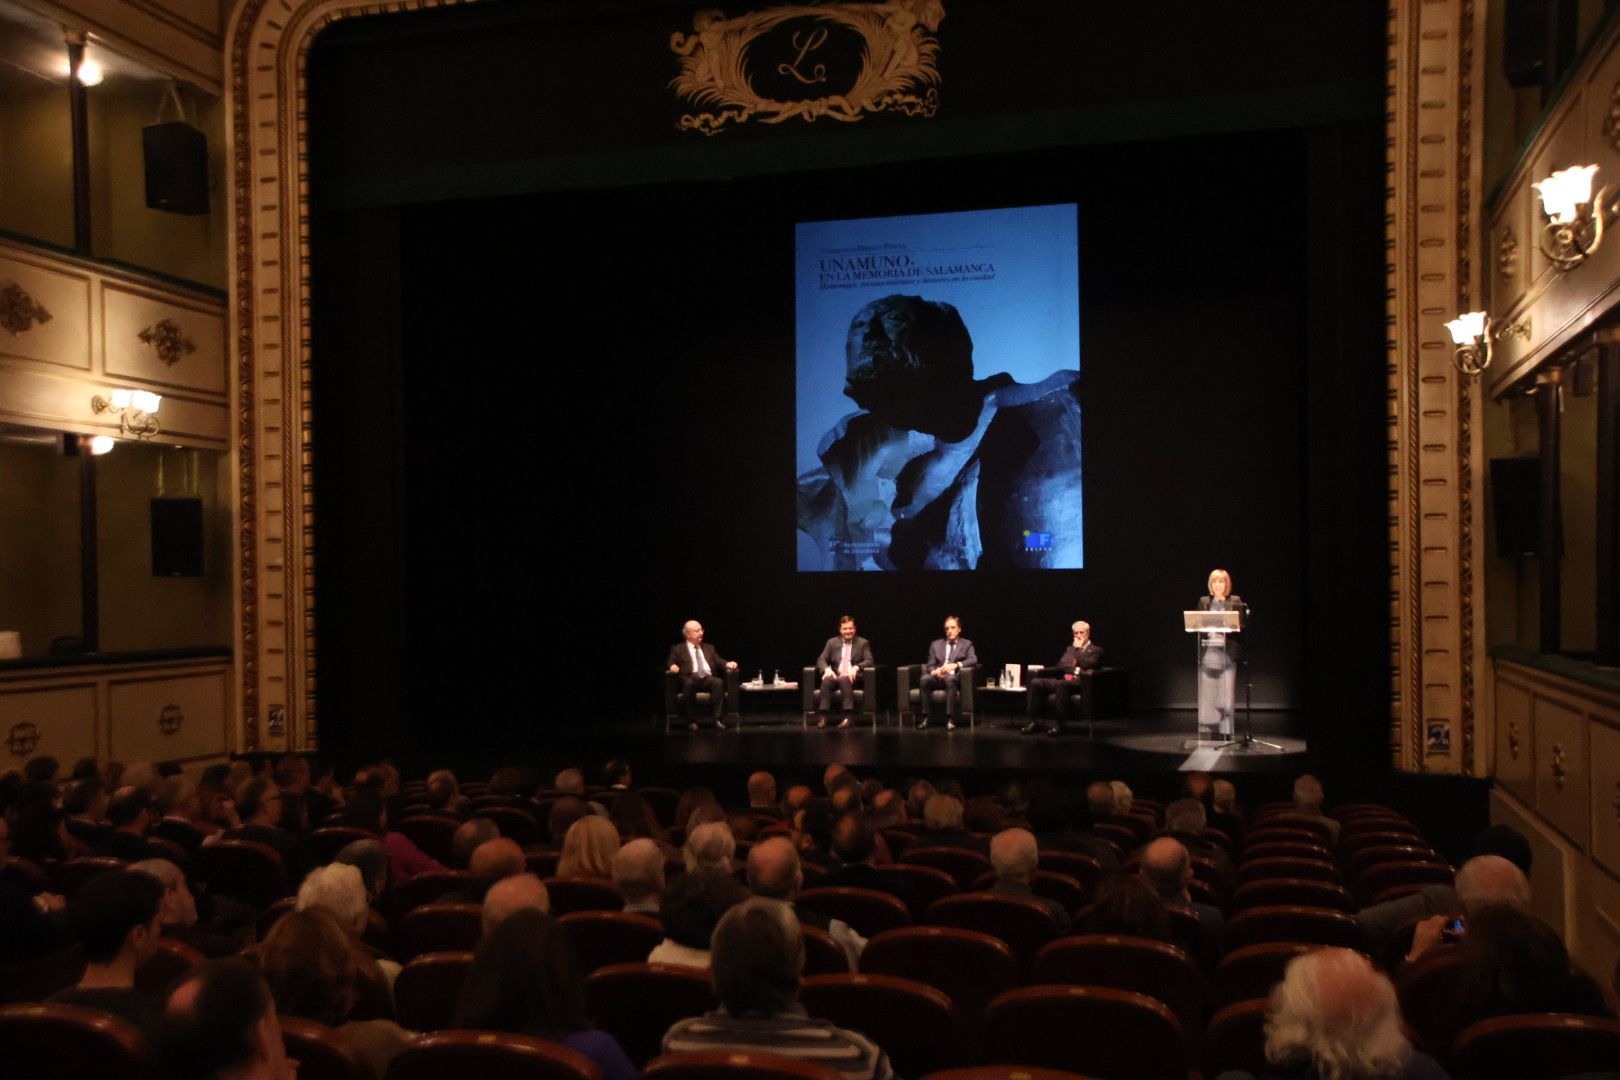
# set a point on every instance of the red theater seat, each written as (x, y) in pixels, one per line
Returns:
(428, 989)
(600, 938)
(638, 1003)
(51, 1041)
(489, 1055)
(968, 966)
(1096, 1030)
(730, 1065)
(914, 1023)
(321, 1053)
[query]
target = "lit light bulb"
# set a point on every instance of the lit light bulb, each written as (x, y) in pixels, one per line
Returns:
(1467, 329)
(90, 73)
(1565, 191)
(146, 401)
(102, 444)
(121, 398)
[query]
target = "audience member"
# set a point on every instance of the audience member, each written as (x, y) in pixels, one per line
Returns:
(983, 815)
(371, 859)
(524, 981)
(1224, 814)
(1308, 798)
(691, 800)
(37, 829)
(762, 794)
(224, 935)
(1482, 882)
(794, 800)
(468, 837)
(565, 810)
(638, 874)
(617, 776)
(633, 816)
(1384, 920)
(521, 892)
(1013, 855)
(942, 818)
(1048, 818)
(258, 803)
(84, 809)
(315, 973)
(1126, 904)
(117, 919)
(691, 908)
(1167, 868)
(588, 849)
(1335, 1016)
(444, 793)
(406, 862)
(1185, 820)
(855, 850)
(129, 812)
(758, 953)
(220, 1023)
(774, 873)
(709, 847)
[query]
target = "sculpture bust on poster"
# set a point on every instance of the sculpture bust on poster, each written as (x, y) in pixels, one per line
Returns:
(939, 470)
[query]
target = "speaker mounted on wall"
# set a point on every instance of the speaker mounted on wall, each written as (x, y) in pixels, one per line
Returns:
(176, 156)
(177, 538)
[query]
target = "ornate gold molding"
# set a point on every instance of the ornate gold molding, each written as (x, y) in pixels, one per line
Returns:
(20, 312)
(168, 341)
(265, 96)
(1432, 204)
(724, 60)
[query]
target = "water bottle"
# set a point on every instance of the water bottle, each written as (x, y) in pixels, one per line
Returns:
(776, 677)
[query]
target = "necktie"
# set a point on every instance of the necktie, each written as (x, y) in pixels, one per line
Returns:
(950, 649)
(843, 664)
(697, 661)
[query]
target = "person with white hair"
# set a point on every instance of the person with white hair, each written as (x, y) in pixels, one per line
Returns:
(1335, 1017)
(1481, 882)
(638, 874)
(1308, 799)
(225, 935)
(1013, 854)
(340, 889)
(709, 847)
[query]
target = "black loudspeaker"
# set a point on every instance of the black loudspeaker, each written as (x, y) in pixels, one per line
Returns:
(1535, 34)
(177, 538)
(1516, 491)
(176, 157)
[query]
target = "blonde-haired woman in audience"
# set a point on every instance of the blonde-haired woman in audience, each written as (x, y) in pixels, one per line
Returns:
(315, 973)
(588, 849)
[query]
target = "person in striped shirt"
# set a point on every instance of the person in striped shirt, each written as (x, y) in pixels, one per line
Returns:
(757, 959)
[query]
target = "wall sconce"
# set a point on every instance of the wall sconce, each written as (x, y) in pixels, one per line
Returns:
(1473, 333)
(136, 411)
(1575, 217)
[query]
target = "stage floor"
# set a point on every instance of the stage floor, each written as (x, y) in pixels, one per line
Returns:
(1150, 743)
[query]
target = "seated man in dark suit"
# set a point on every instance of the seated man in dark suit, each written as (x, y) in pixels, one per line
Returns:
(1014, 854)
(697, 665)
(258, 804)
(1083, 654)
(837, 668)
(946, 657)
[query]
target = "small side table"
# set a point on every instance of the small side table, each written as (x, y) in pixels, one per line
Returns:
(760, 695)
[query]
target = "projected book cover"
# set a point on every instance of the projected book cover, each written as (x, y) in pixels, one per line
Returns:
(938, 369)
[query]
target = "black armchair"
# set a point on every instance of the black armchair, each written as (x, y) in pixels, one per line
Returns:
(909, 700)
(866, 693)
(674, 698)
(1106, 692)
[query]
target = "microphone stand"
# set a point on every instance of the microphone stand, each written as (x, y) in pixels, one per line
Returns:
(1247, 741)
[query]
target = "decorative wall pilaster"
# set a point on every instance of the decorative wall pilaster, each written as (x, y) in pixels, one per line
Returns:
(270, 348)
(1433, 207)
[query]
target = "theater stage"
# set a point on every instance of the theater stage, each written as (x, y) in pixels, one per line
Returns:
(1145, 747)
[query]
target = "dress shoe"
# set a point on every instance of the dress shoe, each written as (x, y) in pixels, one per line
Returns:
(720, 725)
(1030, 728)
(1052, 732)
(692, 726)
(922, 725)
(950, 725)
(844, 723)
(821, 722)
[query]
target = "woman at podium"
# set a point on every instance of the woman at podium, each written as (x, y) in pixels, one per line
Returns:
(1218, 658)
